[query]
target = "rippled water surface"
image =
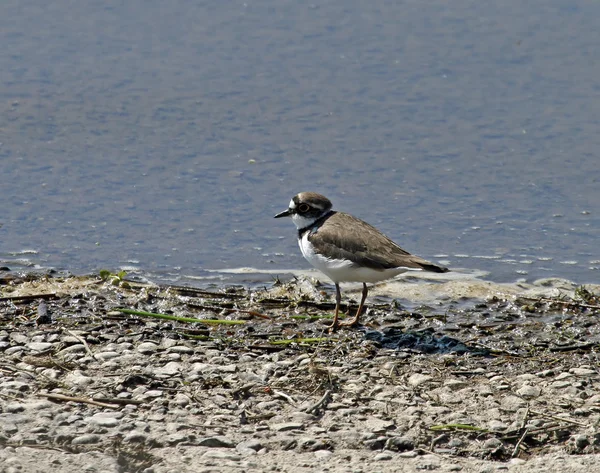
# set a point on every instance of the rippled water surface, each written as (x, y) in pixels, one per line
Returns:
(163, 137)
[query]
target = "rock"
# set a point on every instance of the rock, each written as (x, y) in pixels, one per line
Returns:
(376, 443)
(399, 444)
(170, 369)
(86, 439)
(106, 355)
(102, 421)
(493, 444)
(583, 372)
(383, 456)
(283, 427)
(513, 403)
(147, 347)
(528, 391)
(419, 379)
(252, 444)
(216, 442)
(39, 346)
(182, 349)
(135, 436)
(221, 455)
(19, 338)
(72, 349)
(323, 455)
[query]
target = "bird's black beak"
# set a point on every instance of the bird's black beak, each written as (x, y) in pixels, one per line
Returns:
(285, 213)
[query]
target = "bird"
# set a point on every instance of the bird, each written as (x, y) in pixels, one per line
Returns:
(347, 249)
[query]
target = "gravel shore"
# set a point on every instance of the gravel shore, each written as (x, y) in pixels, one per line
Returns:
(91, 381)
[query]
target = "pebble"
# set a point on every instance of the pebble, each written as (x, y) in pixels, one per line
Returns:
(86, 439)
(216, 442)
(39, 346)
(323, 454)
(102, 421)
(583, 372)
(181, 349)
(106, 355)
(147, 347)
(528, 391)
(418, 379)
(221, 455)
(283, 427)
(19, 337)
(383, 456)
(72, 349)
(135, 436)
(171, 368)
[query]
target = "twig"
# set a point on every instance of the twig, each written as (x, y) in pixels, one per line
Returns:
(113, 400)
(562, 419)
(321, 402)
(82, 340)
(518, 445)
(284, 396)
(61, 397)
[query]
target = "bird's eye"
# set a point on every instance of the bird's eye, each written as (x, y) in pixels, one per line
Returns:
(303, 208)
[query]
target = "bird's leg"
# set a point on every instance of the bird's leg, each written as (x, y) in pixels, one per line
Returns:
(354, 321)
(338, 299)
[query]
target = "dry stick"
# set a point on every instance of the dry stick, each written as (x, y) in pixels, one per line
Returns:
(319, 403)
(112, 400)
(87, 347)
(61, 397)
(559, 418)
(284, 396)
(518, 445)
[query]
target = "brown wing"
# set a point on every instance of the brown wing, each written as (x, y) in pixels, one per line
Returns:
(364, 244)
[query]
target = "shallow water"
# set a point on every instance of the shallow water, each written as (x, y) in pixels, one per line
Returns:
(163, 140)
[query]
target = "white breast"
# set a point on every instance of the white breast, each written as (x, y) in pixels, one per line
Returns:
(345, 270)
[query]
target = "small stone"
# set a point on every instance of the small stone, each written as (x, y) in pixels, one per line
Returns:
(221, 455)
(418, 379)
(383, 456)
(147, 347)
(135, 436)
(72, 349)
(456, 384)
(153, 393)
(39, 346)
(583, 372)
(106, 355)
(253, 444)
(323, 454)
(102, 421)
(181, 400)
(86, 439)
(14, 407)
(528, 391)
(181, 349)
(580, 441)
(170, 369)
(399, 444)
(283, 427)
(18, 337)
(493, 444)
(216, 442)
(513, 403)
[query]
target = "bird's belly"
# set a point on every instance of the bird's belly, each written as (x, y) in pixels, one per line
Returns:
(345, 270)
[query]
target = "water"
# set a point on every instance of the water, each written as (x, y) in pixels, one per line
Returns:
(164, 137)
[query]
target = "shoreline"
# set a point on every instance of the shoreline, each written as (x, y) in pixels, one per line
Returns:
(83, 383)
